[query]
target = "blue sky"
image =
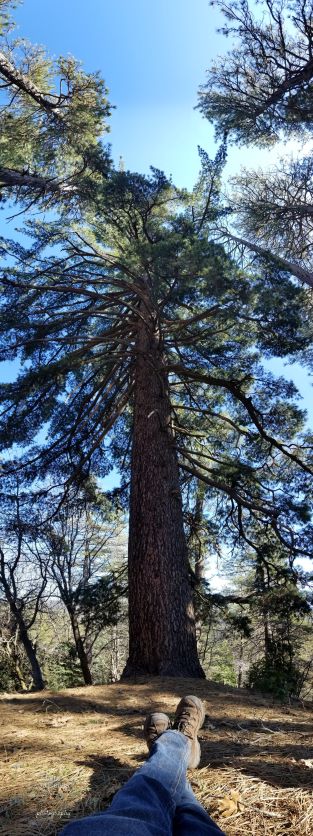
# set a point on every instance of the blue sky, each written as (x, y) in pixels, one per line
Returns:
(153, 57)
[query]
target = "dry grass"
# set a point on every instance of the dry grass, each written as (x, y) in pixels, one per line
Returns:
(66, 754)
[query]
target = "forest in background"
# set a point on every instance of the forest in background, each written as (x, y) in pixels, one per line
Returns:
(141, 317)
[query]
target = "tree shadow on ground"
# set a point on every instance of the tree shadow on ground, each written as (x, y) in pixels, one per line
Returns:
(237, 734)
(93, 698)
(278, 766)
(73, 703)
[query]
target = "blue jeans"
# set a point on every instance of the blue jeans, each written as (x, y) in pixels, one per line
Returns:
(156, 801)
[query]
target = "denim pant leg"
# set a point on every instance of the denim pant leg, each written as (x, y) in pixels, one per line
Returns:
(145, 806)
(191, 818)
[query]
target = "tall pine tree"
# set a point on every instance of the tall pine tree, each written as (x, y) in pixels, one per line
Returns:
(140, 344)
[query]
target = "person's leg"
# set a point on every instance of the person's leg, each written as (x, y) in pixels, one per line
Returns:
(145, 806)
(191, 818)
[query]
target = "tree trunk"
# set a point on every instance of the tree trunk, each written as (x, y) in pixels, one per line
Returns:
(196, 544)
(30, 651)
(162, 638)
(14, 655)
(268, 645)
(81, 653)
(240, 665)
(114, 666)
(25, 640)
(8, 638)
(268, 638)
(18, 674)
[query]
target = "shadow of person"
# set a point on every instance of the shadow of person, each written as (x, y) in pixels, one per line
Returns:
(108, 775)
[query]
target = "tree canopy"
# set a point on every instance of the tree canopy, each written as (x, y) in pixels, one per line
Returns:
(264, 84)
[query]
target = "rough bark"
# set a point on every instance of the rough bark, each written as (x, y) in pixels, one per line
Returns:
(12, 645)
(162, 638)
(18, 674)
(115, 656)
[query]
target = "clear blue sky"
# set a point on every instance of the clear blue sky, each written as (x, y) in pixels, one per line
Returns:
(153, 56)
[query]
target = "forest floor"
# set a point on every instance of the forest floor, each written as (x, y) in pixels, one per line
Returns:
(65, 754)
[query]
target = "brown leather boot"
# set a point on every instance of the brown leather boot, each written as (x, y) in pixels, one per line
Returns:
(189, 718)
(155, 724)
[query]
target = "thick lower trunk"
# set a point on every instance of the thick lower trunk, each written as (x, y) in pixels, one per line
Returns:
(162, 638)
(81, 653)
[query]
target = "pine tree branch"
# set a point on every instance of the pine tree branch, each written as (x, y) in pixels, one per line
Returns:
(233, 387)
(291, 267)
(10, 177)
(193, 468)
(22, 82)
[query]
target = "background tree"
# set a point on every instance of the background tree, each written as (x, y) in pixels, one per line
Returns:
(265, 83)
(258, 93)
(13, 666)
(82, 550)
(22, 580)
(276, 207)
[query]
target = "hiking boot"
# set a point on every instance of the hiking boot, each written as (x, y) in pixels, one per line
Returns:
(189, 718)
(155, 724)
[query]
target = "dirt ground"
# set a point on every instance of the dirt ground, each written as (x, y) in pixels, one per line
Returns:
(65, 754)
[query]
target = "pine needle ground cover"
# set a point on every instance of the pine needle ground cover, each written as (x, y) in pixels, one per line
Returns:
(65, 754)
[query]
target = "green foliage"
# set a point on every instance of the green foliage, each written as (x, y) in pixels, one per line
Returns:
(62, 668)
(257, 93)
(87, 345)
(7, 678)
(275, 206)
(53, 116)
(14, 671)
(222, 666)
(6, 7)
(241, 623)
(142, 242)
(99, 603)
(276, 673)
